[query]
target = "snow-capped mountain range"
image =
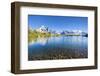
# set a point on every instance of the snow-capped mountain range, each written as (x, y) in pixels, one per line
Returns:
(45, 29)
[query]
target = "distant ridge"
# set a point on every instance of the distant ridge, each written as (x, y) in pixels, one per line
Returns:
(45, 29)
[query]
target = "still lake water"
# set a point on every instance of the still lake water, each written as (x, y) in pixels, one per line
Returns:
(62, 47)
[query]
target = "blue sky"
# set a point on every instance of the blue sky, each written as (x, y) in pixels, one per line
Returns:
(58, 23)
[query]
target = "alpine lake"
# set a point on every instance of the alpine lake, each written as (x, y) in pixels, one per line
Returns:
(58, 47)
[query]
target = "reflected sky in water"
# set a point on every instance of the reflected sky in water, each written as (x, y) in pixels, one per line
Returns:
(39, 46)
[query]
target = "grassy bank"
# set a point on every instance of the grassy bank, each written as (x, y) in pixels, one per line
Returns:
(34, 34)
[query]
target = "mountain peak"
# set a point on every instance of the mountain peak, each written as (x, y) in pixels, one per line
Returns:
(43, 29)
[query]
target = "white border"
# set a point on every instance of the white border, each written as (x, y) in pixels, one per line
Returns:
(25, 64)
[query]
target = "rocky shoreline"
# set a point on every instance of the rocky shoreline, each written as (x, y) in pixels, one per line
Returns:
(60, 54)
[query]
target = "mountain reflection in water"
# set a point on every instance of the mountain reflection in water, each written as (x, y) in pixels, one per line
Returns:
(41, 41)
(62, 47)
